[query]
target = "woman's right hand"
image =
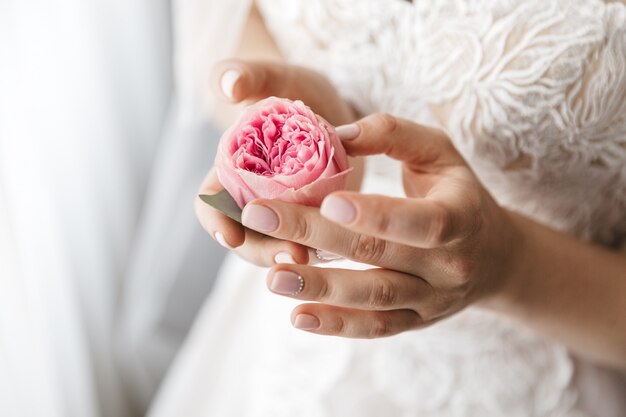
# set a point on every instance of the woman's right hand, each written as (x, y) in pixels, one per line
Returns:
(238, 81)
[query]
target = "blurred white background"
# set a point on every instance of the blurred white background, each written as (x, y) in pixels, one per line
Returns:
(102, 263)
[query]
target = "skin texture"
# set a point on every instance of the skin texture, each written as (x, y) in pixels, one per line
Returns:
(446, 246)
(431, 245)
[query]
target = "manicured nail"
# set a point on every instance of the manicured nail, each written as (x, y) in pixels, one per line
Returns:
(259, 218)
(228, 81)
(326, 256)
(348, 132)
(287, 282)
(338, 209)
(219, 237)
(284, 258)
(306, 322)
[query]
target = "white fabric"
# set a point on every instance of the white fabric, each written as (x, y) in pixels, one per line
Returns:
(97, 232)
(207, 31)
(534, 95)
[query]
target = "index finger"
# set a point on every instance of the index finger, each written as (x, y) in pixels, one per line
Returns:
(305, 225)
(399, 139)
(417, 222)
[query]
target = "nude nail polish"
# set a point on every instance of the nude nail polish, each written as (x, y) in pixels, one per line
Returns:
(228, 81)
(259, 218)
(219, 237)
(338, 209)
(306, 322)
(286, 283)
(284, 258)
(348, 132)
(326, 256)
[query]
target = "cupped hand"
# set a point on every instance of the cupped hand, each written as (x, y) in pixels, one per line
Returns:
(447, 245)
(245, 81)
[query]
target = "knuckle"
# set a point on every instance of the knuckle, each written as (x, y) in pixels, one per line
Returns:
(301, 230)
(461, 269)
(441, 305)
(383, 294)
(476, 214)
(447, 302)
(446, 143)
(324, 290)
(336, 326)
(440, 228)
(459, 265)
(367, 249)
(386, 122)
(382, 222)
(415, 320)
(381, 326)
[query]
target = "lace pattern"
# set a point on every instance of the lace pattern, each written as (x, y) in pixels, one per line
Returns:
(534, 95)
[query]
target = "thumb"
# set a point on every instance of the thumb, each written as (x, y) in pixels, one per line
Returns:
(237, 80)
(399, 139)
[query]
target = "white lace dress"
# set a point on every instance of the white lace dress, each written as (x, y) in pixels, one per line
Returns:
(534, 95)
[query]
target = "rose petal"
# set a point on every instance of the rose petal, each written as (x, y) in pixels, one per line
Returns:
(281, 149)
(314, 193)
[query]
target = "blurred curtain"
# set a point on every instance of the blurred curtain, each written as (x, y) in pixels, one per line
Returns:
(102, 264)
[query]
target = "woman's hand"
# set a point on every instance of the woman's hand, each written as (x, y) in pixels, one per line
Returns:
(244, 81)
(446, 246)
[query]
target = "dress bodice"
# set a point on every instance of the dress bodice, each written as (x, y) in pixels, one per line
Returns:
(533, 94)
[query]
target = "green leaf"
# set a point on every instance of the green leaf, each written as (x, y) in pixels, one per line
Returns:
(225, 203)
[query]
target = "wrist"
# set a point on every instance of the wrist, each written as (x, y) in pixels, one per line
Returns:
(516, 277)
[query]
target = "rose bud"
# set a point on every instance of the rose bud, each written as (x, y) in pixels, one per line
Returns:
(279, 149)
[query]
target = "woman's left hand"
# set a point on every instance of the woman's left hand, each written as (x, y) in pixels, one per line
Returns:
(445, 246)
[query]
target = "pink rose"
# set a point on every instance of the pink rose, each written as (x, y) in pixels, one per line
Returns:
(279, 149)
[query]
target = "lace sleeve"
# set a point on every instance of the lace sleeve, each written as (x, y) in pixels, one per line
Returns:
(533, 93)
(485, 68)
(536, 100)
(541, 77)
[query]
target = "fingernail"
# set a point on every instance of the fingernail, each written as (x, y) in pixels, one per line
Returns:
(348, 132)
(259, 218)
(284, 258)
(287, 282)
(326, 256)
(338, 209)
(228, 81)
(219, 237)
(306, 322)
